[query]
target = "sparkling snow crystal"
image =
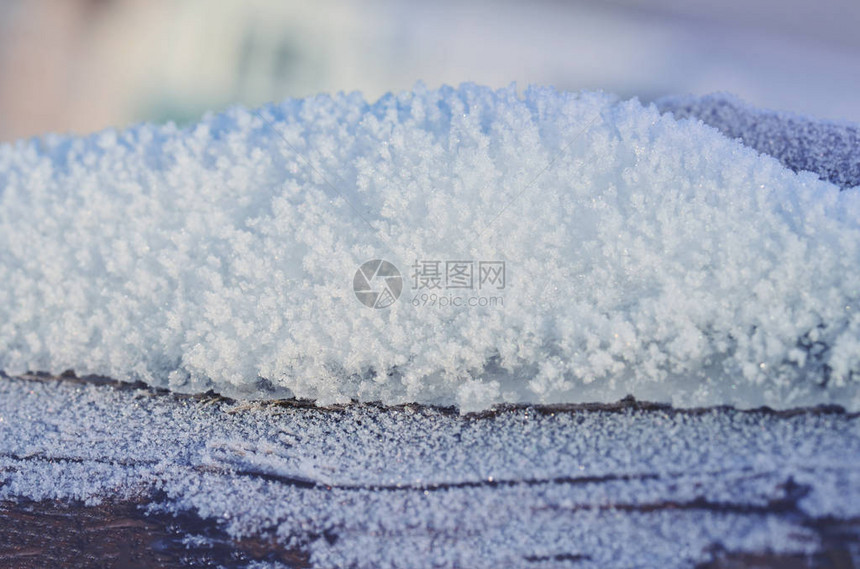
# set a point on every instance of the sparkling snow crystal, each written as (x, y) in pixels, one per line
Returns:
(643, 255)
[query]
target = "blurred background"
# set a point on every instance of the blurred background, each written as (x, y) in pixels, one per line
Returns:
(81, 65)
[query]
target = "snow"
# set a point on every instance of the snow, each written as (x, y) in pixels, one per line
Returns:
(366, 486)
(644, 255)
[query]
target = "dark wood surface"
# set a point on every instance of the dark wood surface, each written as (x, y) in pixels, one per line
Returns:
(42, 535)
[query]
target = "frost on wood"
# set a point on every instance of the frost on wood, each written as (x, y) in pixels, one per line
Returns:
(645, 255)
(377, 487)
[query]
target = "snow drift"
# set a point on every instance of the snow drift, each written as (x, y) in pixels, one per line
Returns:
(642, 255)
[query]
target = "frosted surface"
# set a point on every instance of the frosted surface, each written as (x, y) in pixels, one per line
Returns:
(644, 255)
(415, 487)
(828, 148)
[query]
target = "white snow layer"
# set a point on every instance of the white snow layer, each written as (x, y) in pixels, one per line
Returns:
(417, 487)
(644, 255)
